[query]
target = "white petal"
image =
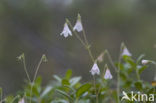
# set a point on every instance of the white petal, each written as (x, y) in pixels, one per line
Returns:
(126, 52)
(95, 69)
(144, 62)
(108, 74)
(78, 26)
(21, 101)
(66, 31)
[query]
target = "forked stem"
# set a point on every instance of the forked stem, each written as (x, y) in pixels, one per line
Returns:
(43, 58)
(87, 47)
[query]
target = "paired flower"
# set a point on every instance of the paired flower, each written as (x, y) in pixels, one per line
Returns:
(108, 74)
(21, 101)
(95, 69)
(66, 31)
(78, 26)
(126, 52)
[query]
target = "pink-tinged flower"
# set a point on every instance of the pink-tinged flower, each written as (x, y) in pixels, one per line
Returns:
(108, 74)
(100, 57)
(21, 101)
(126, 52)
(66, 31)
(144, 62)
(78, 26)
(95, 70)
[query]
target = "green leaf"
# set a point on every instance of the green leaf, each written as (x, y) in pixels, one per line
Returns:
(70, 88)
(141, 69)
(46, 91)
(64, 94)
(65, 82)
(60, 101)
(74, 81)
(84, 88)
(38, 81)
(68, 74)
(10, 98)
(138, 85)
(57, 78)
(140, 58)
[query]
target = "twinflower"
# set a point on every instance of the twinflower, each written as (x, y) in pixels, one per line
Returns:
(78, 26)
(95, 69)
(108, 74)
(126, 52)
(66, 31)
(144, 62)
(21, 101)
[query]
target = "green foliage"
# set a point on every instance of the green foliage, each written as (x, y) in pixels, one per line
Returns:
(68, 89)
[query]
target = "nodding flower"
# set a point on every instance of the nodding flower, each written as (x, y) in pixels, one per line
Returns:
(78, 26)
(21, 101)
(95, 69)
(100, 57)
(66, 31)
(126, 52)
(144, 62)
(108, 74)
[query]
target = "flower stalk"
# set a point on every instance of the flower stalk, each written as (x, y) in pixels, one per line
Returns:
(84, 43)
(43, 59)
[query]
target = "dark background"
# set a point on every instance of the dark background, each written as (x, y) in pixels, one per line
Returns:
(33, 27)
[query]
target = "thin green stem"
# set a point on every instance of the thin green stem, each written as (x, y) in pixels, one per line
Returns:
(110, 59)
(14, 98)
(77, 99)
(90, 54)
(155, 70)
(79, 38)
(137, 74)
(84, 35)
(86, 45)
(25, 69)
(118, 73)
(1, 95)
(118, 85)
(95, 89)
(36, 72)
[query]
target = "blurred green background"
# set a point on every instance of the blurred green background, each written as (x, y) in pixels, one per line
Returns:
(34, 27)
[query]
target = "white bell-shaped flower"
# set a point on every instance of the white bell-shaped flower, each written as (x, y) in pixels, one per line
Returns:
(21, 101)
(144, 62)
(108, 74)
(66, 31)
(95, 69)
(126, 52)
(78, 26)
